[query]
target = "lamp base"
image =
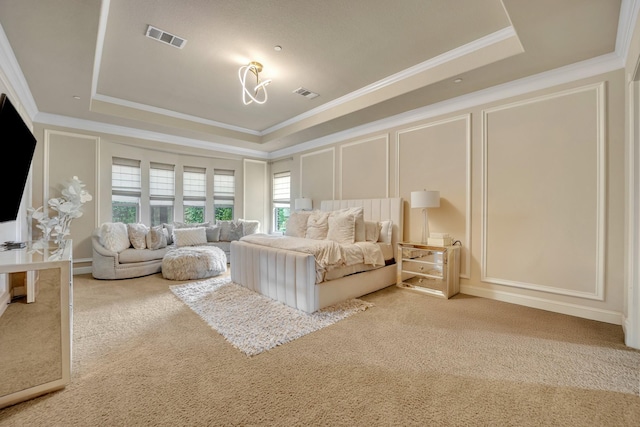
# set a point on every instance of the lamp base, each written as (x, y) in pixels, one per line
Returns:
(425, 227)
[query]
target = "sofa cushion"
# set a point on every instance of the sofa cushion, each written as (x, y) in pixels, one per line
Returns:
(189, 236)
(235, 230)
(156, 239)
(225, 229)
(138, 235)
(249, 226)
(131, 256)
(213, 233)
(168, 232)
(114, 236)
(178, 224)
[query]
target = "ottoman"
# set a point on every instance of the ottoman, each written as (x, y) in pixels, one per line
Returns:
(193, 262)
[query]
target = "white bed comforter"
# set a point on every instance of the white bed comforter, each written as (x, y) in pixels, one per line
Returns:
(328, 254)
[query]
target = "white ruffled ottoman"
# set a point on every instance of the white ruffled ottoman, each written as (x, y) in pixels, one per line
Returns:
(194, 262)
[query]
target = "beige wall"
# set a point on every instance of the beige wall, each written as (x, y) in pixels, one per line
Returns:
(532, 186)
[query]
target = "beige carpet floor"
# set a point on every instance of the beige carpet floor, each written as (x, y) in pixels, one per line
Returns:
(143, 358)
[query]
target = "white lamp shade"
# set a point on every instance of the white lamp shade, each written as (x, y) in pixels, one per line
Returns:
(425, 199)
(303, 204)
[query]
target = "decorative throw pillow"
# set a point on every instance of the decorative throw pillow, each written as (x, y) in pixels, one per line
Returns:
(178, 224)
(190, 236)
(296, 225)
(371, 231)
(168, 232)
(386, 228)
(317, 225)
(114, 236)
(249, 226)
(235, 230)
(342, 228)
(156, 238)
(138, 235)
(225, 227)
(358, 213)
(213, 233)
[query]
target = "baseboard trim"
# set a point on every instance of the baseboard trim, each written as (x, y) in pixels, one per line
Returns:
(590, 313)
(82, 270)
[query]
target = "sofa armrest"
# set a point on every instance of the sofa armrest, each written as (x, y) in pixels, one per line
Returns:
(97, 246)
(104, 261)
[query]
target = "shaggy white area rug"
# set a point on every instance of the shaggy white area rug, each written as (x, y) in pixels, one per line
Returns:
(252, 322)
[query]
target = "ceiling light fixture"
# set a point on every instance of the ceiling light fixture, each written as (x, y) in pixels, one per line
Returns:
(249, 96)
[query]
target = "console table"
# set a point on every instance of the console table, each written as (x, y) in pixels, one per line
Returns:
(37, 256)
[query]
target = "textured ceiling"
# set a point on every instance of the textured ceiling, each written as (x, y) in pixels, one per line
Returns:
(368, 59)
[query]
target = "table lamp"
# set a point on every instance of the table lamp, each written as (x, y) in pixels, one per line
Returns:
(303, 204)
(423, 200)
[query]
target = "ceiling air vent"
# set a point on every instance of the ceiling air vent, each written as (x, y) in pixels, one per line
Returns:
(305, 92)
(164, 37)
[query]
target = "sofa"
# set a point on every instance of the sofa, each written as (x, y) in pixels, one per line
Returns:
(124, 251)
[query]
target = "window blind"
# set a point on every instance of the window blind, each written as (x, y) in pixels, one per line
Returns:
(194, 183)
(161, 181)
(282, 187)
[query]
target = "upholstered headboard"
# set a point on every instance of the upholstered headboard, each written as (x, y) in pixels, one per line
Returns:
(375, 210)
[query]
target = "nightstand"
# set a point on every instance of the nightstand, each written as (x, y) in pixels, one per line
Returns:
(433, 270)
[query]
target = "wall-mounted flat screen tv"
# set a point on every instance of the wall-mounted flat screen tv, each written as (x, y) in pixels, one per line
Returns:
(19, 145)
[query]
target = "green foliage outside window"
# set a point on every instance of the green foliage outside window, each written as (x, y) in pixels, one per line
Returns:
(282, 215)
(193, 214)
(124, 213)
(224, 214)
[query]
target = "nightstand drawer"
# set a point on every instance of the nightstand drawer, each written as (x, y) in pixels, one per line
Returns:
(429, 285)
(430, 269)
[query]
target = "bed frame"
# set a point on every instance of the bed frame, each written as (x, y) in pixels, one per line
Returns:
(290, 277)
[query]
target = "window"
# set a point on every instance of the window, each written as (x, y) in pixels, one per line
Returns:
(125, 190)
(224, 187)
(281, 200)
(194, 194)
(161, 193)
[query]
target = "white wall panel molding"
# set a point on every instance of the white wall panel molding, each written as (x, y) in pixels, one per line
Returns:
(599, 236)
(384, 137)
(466, 118)
(332, 150)
(48, 134)
(554, 306)
(265, 189)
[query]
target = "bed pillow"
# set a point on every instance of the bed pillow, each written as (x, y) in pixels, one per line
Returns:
(371, 231)
(213, 233)
(358, 213)
(296, 225)
(386, 228)
(156, 238)
(317, 225)
(190, 236)
(114, 236)
(138, 235)
(342, 228)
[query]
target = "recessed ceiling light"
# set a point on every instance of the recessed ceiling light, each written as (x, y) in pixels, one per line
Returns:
(277, 48)
(458, 80)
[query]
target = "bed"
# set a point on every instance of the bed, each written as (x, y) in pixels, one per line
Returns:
(282, 268)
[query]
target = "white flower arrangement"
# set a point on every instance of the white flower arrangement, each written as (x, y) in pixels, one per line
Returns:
(68, 207)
